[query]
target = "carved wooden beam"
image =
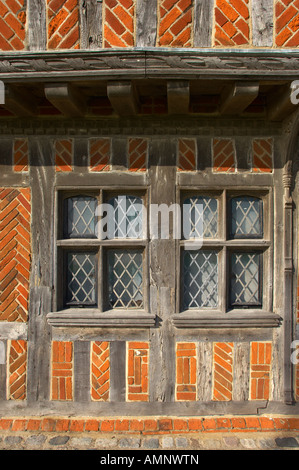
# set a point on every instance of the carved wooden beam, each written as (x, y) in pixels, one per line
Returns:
(288, 282)
(123, 97)
(66, 98)
(281, 106)
(178, 97)
(237, 98)
(20, 103)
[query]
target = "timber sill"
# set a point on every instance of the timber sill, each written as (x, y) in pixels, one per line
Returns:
(232, 319)
(95, 318)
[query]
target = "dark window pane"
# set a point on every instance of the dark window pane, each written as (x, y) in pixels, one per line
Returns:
(200, 278)
(245, 279)
(125, 279)
(81, 217)
(246, 213)
(81, 278)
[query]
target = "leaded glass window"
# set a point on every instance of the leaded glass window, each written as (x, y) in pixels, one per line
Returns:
(80, 220)
(125, 277)
(247, 220)
(245, 279)
(126, 219)
(200, 279)
(200, 217)
(103, 272)
(81, 286)
(224, 271)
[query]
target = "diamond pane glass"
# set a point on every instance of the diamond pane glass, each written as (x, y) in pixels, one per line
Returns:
(127, 217)
(245, 279)
(81, 216)
(200, 279)
(125, 279)
(246, 217)
(81, 278)
(200, 217)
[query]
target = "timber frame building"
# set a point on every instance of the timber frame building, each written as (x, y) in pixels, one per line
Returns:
(140, 103)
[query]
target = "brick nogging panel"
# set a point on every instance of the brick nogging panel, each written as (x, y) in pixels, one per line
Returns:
(12, 25)
(15, 253)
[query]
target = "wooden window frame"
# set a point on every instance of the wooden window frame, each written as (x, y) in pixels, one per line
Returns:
(100, 315)
(226, 315)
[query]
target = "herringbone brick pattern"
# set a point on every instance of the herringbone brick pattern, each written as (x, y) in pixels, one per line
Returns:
(137, 154)
(287, 23)
(20, 155)
(64, 155)
(17, 369)
(223, 371)
(99, 154)
(186, 155)
(119, 23)
(232, 23)
(138, 355)
(62, 370)
(262, 158)
(186, 364)
(100, 370)
(223, 155)
(15, 253)
(12, 24)
(260, 369)
(63, 24)
(175, 23)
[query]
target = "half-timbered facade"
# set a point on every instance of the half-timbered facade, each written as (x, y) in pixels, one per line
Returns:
(127, 107)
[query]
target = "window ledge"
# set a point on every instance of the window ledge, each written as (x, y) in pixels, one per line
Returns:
(94, 318)
(232, 319)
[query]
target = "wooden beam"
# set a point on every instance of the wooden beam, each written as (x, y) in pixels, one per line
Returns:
(280, 104)
(178, 97)
(236, 99)
(66, 98)
(19, 102)
(123, 97)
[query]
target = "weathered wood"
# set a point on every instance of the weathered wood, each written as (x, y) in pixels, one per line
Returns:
(90, 24)
(66, 98)
(237, 98)
(203, 23)
(19, 103)
(288, 282)
(146, 23)
(123, 97)
(280, 106)
(162, 276)
(82, 371)
(37, 25)
(178, 97)
(262, 22)
(3, 368)
(241, 368)
(41, 278)
(205, 371)
(118, 355)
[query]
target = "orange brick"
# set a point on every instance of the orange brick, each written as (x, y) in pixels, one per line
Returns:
(231, 23)
(107, 425)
